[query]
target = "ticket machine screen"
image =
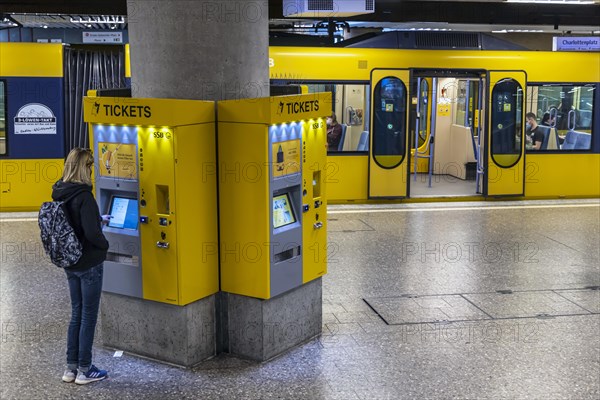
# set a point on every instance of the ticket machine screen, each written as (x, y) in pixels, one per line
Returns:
(283, 213)
(124, 212)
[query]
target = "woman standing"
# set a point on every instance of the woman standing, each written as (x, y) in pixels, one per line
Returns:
(85, 277)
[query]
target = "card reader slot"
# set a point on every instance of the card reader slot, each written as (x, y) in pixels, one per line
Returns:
(122, 258)
(286, 254)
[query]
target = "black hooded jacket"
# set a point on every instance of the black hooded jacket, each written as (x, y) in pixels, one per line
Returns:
(85, 219)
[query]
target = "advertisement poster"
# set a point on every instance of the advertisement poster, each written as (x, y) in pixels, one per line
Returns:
(117, 160)
(286, 158)
(35, 119)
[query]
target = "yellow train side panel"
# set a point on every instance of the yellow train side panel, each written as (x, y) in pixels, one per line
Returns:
(334, 64)
(347, 178)
(31, 59)
(558, 175)
(26, 184)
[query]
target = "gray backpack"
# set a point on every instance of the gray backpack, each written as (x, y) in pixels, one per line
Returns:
(58, 236)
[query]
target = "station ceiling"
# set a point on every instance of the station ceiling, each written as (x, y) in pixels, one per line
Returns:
(472, 15)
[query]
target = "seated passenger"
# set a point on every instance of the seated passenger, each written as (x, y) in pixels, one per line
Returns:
(334, 133)
(535, 133)
(547, 120)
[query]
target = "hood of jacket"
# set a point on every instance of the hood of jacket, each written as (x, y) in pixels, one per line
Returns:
(63, 190)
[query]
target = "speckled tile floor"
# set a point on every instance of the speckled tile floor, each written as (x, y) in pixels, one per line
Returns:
(397, 252)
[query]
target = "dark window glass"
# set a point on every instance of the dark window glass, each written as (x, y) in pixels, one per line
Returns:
(506, 128)
(389, 122)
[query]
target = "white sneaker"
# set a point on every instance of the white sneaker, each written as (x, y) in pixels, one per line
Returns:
(69, 375)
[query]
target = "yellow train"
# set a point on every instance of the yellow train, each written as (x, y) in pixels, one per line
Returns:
(41, 118)
(465, 110)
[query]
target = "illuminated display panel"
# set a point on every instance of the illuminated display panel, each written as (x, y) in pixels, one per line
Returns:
(283, 212)
(124, 212)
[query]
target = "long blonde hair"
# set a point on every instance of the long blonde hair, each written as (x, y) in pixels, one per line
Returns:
(78, 166)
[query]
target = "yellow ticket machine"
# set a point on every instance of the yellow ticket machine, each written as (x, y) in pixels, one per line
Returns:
(272, 196)
(153, 160)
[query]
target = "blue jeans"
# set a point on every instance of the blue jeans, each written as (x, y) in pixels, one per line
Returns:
(85, 288)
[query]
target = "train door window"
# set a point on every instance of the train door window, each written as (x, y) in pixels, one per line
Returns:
(423, 107)
(506, 126)
(3, 125)
(473, 103)
(467, 97)
(389, 122)
(568, 110)
(461, 103)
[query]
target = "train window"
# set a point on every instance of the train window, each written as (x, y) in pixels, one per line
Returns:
(350, 106)
(507, 106)
(389, 122)
(567, 109)
(2, 118)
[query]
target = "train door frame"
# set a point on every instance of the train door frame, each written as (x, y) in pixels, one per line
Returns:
(424, 121)
(504, 175)
(388, 174)
(456, 73)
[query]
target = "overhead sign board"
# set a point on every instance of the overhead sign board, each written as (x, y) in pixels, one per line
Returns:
(102, 37)
(570, 43)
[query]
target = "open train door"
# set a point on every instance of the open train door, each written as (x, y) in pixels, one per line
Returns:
(388, 158)
(505, 141)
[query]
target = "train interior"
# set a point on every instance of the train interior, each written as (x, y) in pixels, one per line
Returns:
(445, 124)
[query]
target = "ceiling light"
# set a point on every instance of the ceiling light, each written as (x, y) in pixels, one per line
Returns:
(519, 31)
(99, 20)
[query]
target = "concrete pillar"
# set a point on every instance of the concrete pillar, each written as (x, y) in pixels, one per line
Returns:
(177, 335)
(206, 50)
(263, 329)
(202, 50)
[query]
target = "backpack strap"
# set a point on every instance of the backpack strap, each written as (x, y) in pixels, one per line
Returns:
(65, 208)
